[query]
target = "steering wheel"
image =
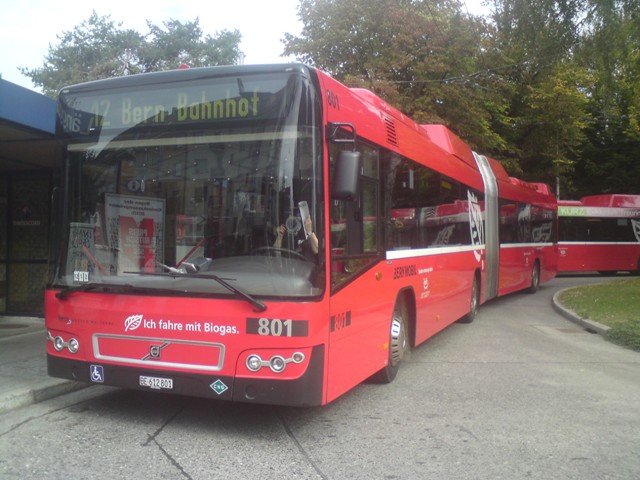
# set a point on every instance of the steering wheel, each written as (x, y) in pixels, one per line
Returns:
(285, 251)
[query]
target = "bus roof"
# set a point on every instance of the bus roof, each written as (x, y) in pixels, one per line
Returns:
(450, 142)
(612, 200)
(413, 140)
(181, 74)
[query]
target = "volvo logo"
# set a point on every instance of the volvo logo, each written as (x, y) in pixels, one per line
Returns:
(155, 351)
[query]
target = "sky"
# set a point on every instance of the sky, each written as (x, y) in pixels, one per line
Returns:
(29, 27)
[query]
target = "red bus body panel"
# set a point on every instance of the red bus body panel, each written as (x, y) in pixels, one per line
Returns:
(597, 257)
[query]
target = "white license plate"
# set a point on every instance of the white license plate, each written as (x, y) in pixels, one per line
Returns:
(156, 383)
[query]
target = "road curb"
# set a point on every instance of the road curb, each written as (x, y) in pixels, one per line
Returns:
(31, 395)
(587, 324)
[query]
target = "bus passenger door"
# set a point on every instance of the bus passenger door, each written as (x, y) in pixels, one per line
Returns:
(359, 303)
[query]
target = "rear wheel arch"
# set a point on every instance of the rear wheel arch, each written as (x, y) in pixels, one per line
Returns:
(535, 277)
(474, 299)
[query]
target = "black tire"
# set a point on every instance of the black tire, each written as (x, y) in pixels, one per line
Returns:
(399, 344)
(535, 278)
(474, 303)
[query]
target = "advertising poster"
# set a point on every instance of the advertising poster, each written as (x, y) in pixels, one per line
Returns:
(135, 231)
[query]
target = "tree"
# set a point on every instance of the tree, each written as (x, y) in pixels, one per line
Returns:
(610, 51)
(576, 78)
(548, 100)
(551, 129)
(425, 57)
(99, 48)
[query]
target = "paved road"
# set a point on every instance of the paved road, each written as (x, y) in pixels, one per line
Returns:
(520, 393)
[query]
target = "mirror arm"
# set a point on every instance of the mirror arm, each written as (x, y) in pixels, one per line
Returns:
(332, 133)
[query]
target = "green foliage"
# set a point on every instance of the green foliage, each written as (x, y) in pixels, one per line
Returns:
(551, 124)
(610, 50)
(100, 48)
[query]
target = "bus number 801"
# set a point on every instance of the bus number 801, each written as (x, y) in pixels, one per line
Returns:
(275, 327)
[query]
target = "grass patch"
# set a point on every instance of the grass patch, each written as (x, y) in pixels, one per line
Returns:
(615, 304)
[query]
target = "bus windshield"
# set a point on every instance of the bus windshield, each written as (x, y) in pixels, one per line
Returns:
(173, 186)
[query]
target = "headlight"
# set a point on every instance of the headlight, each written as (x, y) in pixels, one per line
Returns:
(277, 364)
(58, 344)
(254, 363)
(73, 345)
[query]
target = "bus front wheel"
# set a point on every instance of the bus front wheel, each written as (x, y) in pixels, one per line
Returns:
(398, 343)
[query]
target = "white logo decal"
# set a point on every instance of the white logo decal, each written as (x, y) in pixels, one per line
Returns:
(97, 373)
(132, 322)
(636, 228)
(475, 223)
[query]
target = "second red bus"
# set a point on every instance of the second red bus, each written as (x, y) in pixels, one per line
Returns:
(599, 233)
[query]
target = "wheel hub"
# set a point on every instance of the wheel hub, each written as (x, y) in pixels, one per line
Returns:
(398, 340)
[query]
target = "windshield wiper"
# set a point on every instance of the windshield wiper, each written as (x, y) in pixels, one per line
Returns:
(66, 291)
(85, 287)
(258, 306)
(187, 269)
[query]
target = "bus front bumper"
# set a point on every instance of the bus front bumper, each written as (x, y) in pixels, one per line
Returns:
(304, 391)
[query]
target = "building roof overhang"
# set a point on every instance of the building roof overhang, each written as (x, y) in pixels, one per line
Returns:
(27, 128)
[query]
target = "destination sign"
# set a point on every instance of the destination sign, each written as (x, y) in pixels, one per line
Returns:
(226, 99)
(604, 212)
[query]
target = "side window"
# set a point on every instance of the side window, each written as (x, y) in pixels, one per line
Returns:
(524, 223)
(542, 225)
(370, 219)
(508, 222)
(575, 229)
(425, 208)
(399, 190)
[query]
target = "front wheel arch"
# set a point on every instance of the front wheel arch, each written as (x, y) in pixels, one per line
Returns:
(401, 337)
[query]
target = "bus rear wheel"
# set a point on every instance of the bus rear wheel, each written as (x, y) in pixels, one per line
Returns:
(398, 343)
(474, 303)
(535, 278)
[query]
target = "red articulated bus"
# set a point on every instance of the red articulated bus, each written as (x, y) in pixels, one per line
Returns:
(599, 233)
(266, 234)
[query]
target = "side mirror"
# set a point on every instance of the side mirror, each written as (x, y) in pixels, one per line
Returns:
(346, 175)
